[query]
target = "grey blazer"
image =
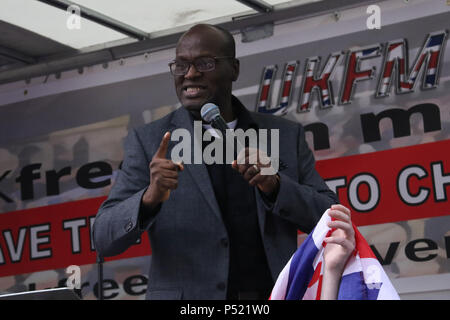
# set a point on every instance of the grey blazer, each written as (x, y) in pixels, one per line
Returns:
(190, 258)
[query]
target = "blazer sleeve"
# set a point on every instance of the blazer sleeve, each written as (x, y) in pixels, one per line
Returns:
(302, 201)
(117, 224)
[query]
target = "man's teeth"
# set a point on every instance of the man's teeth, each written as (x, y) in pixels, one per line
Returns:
(192, 89)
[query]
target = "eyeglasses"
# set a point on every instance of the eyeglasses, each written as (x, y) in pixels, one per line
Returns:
(202, 64)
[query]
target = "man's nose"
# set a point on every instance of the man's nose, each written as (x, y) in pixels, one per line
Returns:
(192, 72)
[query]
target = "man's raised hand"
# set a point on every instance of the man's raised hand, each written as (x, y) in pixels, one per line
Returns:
(252, 165)
(163, 175)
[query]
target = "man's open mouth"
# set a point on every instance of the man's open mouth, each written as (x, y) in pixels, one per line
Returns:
(193, 91)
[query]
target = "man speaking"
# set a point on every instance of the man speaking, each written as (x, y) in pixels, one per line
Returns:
(217, 231)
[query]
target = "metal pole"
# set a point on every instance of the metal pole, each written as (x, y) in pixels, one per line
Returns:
(100, 261)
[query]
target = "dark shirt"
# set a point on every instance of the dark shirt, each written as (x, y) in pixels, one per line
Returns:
(249, 270)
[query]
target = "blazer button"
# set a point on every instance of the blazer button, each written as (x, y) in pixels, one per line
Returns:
(128, 226)
(224, 242)
(221, 286)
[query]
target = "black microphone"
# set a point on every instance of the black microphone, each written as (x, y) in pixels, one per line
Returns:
(210, 113)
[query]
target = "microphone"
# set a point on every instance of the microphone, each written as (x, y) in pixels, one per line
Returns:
(211, 114)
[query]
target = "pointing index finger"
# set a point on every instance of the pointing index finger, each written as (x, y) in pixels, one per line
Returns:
(163, 146)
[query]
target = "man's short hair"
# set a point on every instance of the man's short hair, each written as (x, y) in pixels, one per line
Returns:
(229, 43)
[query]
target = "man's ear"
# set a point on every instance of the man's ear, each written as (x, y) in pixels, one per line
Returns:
(236, 67)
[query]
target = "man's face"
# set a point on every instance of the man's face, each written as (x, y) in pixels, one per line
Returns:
(195, 88)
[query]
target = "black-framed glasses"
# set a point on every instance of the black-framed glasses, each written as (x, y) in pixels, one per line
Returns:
(202, 64)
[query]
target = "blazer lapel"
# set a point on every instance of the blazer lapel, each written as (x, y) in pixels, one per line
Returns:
(198, 172)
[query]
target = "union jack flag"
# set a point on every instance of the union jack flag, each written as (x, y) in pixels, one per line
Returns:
(363, 277)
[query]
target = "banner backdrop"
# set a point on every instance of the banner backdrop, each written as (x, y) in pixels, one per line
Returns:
(375, 105)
